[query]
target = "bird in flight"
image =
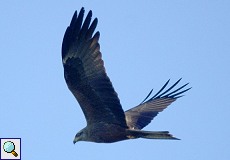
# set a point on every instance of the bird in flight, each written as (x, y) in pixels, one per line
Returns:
(86, 78)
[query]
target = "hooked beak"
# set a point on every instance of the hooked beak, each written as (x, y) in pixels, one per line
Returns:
(76, 139)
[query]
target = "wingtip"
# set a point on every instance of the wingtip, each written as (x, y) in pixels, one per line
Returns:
(90, 12)
(96, 20)
(97, 35)
(82, 9)
(168, 81)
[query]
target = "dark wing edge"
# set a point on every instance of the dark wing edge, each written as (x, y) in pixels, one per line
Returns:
(85, 73)
(141, 115)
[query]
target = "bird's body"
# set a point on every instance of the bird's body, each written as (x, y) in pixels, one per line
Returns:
(86, 78)
(105, 133)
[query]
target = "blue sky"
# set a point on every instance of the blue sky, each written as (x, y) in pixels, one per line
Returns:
(144, 43)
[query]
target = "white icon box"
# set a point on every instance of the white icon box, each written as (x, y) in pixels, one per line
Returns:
(10, 148)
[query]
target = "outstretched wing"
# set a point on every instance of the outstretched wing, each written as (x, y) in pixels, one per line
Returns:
(141, 115)
(85, 74)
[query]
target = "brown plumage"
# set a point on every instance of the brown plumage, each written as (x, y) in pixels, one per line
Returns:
(86, 78)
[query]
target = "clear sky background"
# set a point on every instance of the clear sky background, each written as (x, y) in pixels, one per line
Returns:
(144, 43)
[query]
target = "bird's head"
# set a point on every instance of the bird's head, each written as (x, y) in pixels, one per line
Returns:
(80, 136)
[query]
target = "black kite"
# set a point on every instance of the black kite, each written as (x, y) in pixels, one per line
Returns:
(86, 78)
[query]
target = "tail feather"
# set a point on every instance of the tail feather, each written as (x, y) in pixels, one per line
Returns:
(151, 134)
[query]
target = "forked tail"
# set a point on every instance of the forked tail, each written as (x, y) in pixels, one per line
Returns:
(151, 134)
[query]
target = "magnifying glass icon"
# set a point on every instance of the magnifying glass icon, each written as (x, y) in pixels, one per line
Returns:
(9, 147)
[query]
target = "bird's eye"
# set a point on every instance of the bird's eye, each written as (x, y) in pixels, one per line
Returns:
(79, 134)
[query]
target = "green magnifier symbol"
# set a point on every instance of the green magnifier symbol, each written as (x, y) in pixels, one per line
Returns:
(9, 147)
